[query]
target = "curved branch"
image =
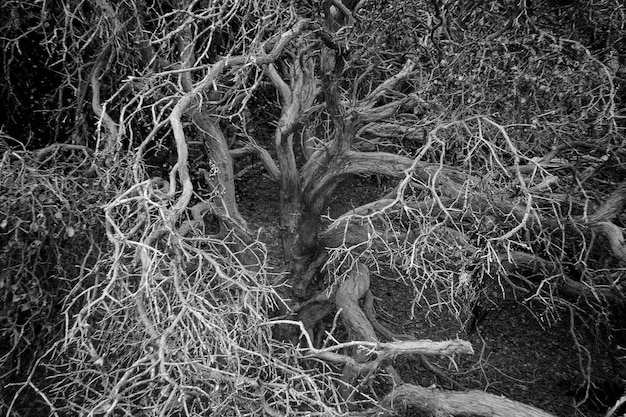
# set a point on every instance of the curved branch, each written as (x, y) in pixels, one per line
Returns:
(390, 83)
(189, 98)
(369, 114)
(281, 86)
(263, 154)
(180, 167)
(235, 61)
(96, 105)
(448, 179)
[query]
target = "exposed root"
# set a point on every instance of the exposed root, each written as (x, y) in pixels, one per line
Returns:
(362, 326)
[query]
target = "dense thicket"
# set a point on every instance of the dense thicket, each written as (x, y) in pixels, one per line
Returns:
(134, 283)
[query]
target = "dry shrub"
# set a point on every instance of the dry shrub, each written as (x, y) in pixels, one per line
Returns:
(51, 235)
(172, 322)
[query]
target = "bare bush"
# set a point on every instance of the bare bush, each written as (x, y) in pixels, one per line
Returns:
(503, 142)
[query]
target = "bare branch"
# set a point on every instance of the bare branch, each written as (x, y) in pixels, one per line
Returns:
(388, 85)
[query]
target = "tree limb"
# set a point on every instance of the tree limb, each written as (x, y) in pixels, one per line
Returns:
(388, 84)
(262, 153)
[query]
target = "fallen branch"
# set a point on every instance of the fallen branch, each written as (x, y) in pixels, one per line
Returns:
(388, 334)
(437, 403)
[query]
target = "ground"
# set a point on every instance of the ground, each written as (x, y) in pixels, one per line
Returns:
(516, 355)
(520, 353)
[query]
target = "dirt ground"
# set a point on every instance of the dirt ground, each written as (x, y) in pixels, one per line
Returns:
(517, 354)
